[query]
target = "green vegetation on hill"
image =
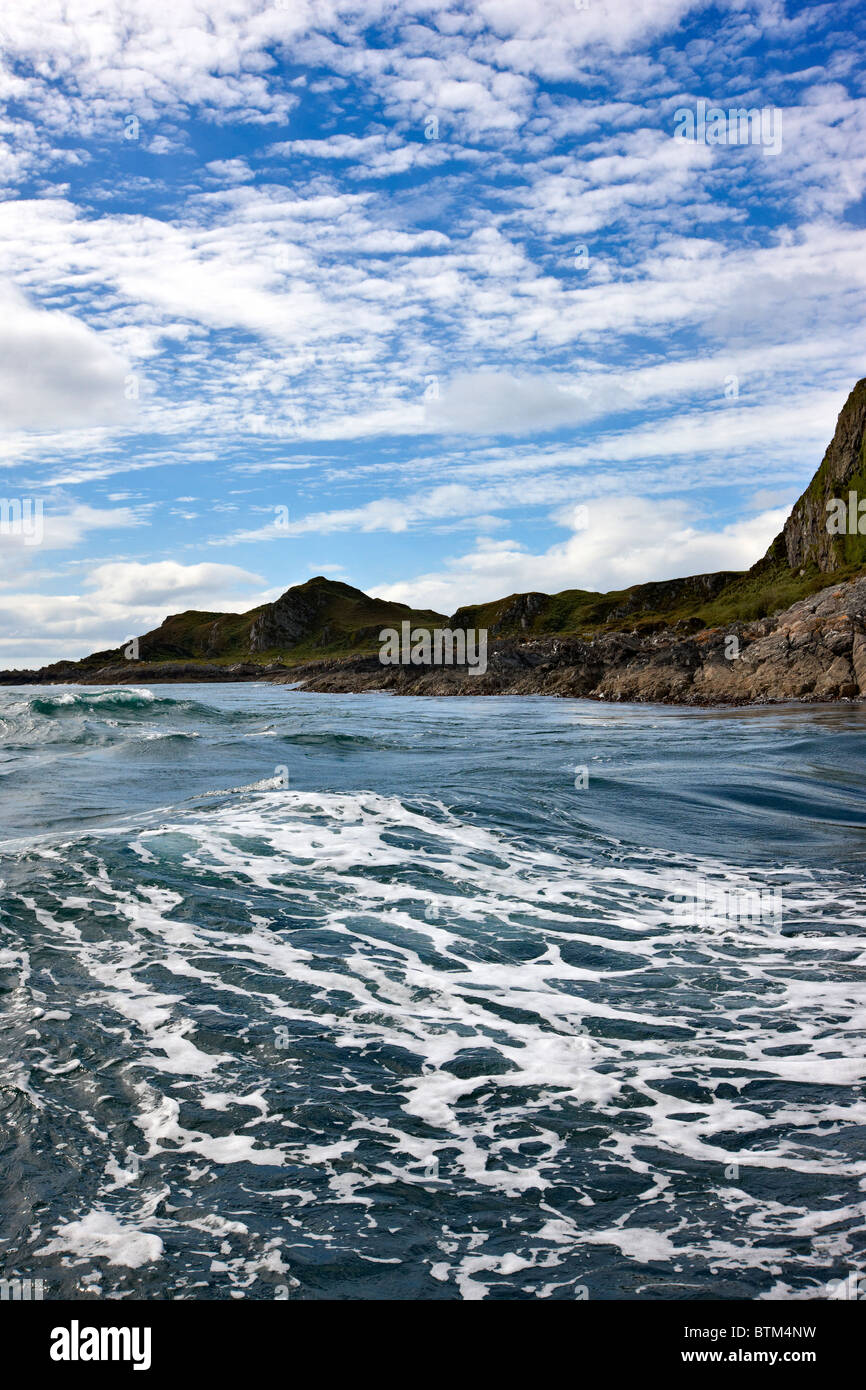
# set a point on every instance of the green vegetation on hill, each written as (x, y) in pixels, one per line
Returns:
(349, 622)
(320, 618)
(326, 618)
(756, 593)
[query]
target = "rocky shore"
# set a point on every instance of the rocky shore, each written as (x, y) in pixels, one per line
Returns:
(813, 651)
(694, 640)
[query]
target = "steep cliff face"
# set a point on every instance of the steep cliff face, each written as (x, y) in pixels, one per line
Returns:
(805, 537)
(292, 617)
(518, 613)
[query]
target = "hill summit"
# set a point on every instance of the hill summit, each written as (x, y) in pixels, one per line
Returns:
(325, 634)
(321, 617)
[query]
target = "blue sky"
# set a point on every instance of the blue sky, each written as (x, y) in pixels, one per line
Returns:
(427, 297)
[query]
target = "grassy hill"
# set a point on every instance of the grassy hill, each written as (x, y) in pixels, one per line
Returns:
(325, 618)
(320, 618)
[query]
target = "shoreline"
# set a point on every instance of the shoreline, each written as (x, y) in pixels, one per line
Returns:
(811, 653)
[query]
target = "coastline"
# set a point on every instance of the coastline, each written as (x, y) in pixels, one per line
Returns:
(813, 653)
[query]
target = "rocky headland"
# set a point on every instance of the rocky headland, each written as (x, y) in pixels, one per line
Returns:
(793, 627)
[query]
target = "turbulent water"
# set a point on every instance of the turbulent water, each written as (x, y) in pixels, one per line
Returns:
(358, 997)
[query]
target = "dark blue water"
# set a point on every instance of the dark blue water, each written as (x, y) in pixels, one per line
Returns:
(358, 997)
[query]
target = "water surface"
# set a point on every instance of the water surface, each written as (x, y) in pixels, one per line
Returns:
(360, 997)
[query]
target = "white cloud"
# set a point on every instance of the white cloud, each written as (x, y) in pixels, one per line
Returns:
(498, 403)
(120, 600)
(625, 541)
(166, 581)
(33, 524)
(229, 170)
(55, 371)
(379, 155)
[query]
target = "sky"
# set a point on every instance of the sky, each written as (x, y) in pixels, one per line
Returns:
(444, 300)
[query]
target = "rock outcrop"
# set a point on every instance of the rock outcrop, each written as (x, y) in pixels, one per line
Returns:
(805, 536)
(814, 651)
(776, 632)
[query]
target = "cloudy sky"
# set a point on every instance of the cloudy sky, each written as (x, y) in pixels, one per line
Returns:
(427, 296)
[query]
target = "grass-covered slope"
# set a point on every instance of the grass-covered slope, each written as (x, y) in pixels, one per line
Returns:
(319, 618)
(706, 600)
(797, 564)
(325, 618)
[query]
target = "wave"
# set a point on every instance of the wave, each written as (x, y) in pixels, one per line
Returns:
(84, 721)
(472, 1033)
(329, 739)
(128, 698)
(361, 996)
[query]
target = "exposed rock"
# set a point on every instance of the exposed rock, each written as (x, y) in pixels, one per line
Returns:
(324, 634)
(814, 651)
(858, 659)
(291, 618)
(140, 673)
(805, 535)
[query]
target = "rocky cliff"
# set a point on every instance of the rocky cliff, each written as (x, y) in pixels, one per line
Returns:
(814, 651)
(775, 632)
(805, 536)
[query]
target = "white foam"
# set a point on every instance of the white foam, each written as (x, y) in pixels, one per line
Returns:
(99, 1235)
(377, 927)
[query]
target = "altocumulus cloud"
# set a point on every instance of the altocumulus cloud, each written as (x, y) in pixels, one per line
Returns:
(406, 270)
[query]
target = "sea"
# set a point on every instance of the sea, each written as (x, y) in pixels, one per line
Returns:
(363, 997)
